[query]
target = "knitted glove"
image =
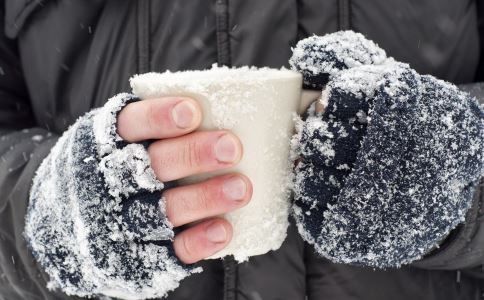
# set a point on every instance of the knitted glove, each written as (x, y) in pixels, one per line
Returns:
(95, 221)
(316, 57)
(390, 167)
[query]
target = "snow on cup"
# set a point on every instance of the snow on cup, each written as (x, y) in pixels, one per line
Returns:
(258, 105)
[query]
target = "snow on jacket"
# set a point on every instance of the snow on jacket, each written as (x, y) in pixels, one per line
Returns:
(53, 76)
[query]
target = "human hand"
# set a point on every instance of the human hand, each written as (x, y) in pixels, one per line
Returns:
(388, 168)
(100, 220)
(178, 152)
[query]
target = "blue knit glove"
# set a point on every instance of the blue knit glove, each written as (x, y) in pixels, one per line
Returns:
(96, 221)
(390, 167)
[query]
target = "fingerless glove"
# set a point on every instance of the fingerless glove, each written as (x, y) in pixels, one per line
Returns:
(96, 221)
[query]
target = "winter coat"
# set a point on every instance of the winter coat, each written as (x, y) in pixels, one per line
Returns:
(60, 59)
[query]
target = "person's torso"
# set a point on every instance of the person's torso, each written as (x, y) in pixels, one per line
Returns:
(77, 54)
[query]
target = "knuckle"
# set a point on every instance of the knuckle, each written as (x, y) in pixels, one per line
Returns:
(184, 204)
(152, 117)
(177, 207)
(205, 197)
(188, 249)
(192, 154)
(162, 160)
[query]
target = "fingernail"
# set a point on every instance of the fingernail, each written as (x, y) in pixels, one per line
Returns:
(226, 149)
(234, 188)
(183, 114)
(216, 233)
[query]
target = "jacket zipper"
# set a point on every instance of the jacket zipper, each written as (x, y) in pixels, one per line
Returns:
(143, 35)
(344, 14)
(230, 278)
(223, 40)
(224, 59)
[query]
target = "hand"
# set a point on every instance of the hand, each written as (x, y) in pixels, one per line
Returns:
(179, 152)
(385, 169)
(95, 221)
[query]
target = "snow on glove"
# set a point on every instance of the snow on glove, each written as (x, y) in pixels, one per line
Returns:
(319, 58)
(389, 168)
(95, 220)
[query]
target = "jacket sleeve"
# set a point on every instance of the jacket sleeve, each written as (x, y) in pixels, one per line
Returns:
(23, 145)
(80, 213)
(463, 247)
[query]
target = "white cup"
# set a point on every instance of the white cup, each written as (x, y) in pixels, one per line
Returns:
(258, 105)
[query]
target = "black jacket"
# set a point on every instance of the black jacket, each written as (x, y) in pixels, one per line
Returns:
(59, 59)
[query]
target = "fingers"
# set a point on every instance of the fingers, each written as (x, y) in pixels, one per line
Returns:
(199, 201)
(158, 118)
(194, 153)
(202, 240)
(213, 197)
